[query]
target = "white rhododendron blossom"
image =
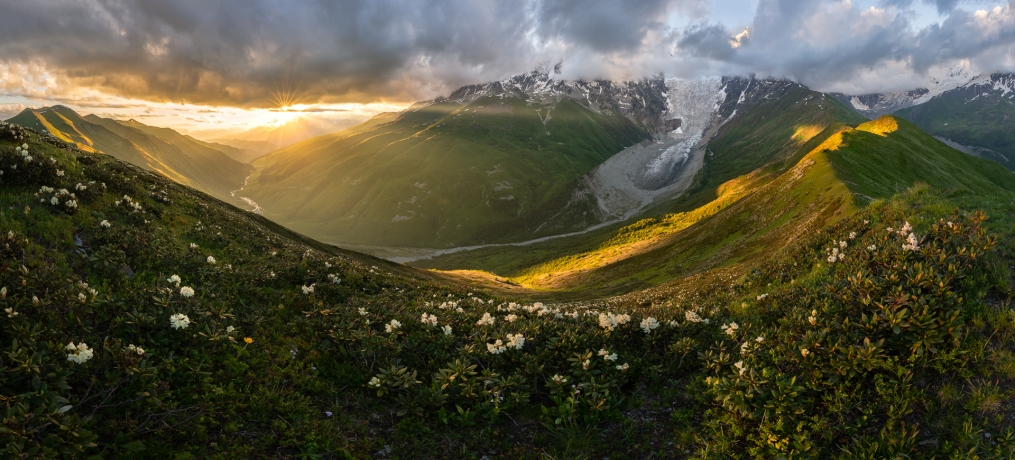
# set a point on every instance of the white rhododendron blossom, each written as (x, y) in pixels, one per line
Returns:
(496, 348)
(175, 279)
(105, 224)
(211, 260)
(912, 244)
(730, 329)
(511, 318)
(187, 292)
(447, 330)
(740, 367)
(486, 320)
(135, 349)
(308, 289)
(610, 321)
(78, 353)
(363, 311)
(693, 317)
(623, 367)
(428, 319)
(558, 379)
(392, 326)
(762, 297)
(375, 382)
(648, 324)
(179, 321)
(607, 356)
(516, 340)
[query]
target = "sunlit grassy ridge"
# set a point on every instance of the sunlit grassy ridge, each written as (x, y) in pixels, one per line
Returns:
(183, 159)
(845, 167)
(903, 347)
(440, 175)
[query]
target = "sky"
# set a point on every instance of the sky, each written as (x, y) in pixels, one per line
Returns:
(219, 66)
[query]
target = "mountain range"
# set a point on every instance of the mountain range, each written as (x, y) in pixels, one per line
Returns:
(212, 168)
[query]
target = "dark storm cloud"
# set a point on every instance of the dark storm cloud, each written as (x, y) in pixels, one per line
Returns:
(238, 52)
(604, 25)
(822, 44)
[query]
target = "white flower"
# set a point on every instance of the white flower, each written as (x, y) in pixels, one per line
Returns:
(906, 229)
(71, 203)
(516, 340)
(308, 289)
(759, 339)
(10, 312)
(648, 324)
(375, 382)
(852, 235)
(762, 297)
(105, 224)
(911, 243)
(187, 292)
(428, 319)
(335, 279)
(363, 311)
(446, 329)
(585, 365)
(692, 317)
(80, 187)
(54, 201)
(511, 318)
(872, 247)
(843, 245)
(741, 367)
(82, 297)
(486, 320)
(558, 379)
(194, 246)
(179, 321)
(835, 256)
(175, 279)
(211, 260)
(813, 319)
(730, 329)
(623, 319)
(623, 367)
(804, 352)
(78, 353)
(607, 356)
(392, 326)
(496, 348)
(59, 173)
(135, 349)
(230, 329)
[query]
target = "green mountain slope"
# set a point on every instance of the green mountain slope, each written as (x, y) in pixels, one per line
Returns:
(173, 325)
(750, 217)
(181, 158)
(190, 143)
(438, 175)
(980, 116)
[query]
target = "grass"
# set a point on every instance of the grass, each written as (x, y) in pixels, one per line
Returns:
(908, 351)
(750, 217)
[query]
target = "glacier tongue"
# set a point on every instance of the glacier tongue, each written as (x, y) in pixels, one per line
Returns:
(638, 175)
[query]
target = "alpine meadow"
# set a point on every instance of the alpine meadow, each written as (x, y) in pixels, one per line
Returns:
(545, 229)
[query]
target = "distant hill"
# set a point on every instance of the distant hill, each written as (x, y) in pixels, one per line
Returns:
(526, 157)
(978, 116)
(183, 159)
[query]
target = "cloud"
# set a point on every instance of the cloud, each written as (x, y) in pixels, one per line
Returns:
(837, 45)
(239, 52)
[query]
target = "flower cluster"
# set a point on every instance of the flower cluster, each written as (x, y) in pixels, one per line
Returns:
(131, 203)
(56, 197)
(607, 356)
(78, 353)
(730, 329)
(135, 349)
(306, 289)
(648, 324)
(392, 326)
(486, 320)
(609, 321)
(179, 321)
(428, 319)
